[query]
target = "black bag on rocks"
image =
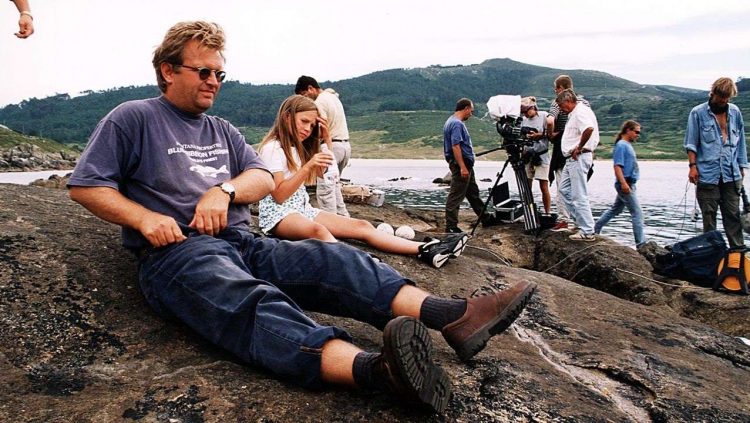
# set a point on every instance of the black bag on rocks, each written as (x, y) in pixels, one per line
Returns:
(694, 259)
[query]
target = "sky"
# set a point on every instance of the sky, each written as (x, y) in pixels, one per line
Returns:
(97, 45)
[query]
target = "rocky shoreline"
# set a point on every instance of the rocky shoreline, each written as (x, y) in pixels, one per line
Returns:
(26, 157)
(603, 340)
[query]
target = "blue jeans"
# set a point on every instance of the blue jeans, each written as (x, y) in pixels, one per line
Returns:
(636, 214)
(246, 293)
(574, 192)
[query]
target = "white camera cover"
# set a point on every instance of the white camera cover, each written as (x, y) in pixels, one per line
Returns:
(504, 105)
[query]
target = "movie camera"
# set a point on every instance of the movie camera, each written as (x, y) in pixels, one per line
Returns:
(514, 136)
(505, 110)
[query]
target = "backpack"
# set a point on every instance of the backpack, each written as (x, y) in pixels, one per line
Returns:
(733, 272)
(694, 259)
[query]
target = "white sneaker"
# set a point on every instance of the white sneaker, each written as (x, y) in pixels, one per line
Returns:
(580, 236)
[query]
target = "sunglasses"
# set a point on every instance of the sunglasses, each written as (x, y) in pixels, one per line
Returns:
(637, 132)
(204, 73)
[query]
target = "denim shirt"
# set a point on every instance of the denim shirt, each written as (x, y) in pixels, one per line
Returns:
(716, 160)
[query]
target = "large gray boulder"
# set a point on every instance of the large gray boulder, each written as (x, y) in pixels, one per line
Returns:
(78, 343)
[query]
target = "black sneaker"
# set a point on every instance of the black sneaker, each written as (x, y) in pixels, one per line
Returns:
(456, 242)
(407, 368)
(434, 253)
(453, 230)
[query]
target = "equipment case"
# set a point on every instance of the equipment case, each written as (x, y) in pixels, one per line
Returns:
(504, 209)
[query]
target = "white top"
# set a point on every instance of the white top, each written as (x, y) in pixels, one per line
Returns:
(579, 119)
(538, 122)
(333, 111)
(273, 156)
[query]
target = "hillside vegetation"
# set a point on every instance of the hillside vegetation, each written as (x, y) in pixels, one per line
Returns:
(400, 112)
(10, 138)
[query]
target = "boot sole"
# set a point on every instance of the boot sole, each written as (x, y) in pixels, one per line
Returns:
(408, 344)
(476, 343)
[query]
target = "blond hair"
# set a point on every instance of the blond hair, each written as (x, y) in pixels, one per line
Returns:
(724, 87)
(564, 81)
(208, 34)
(284, 130)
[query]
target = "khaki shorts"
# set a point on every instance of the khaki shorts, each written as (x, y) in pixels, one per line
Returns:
(540, 173)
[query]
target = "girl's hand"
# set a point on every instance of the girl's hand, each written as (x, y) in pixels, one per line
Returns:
(320, 162)
(323, 128)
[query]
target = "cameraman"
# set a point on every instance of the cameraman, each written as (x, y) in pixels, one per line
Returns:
(536, 156)
(459, 153)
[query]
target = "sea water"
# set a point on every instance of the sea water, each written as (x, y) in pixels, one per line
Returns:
(667, 199)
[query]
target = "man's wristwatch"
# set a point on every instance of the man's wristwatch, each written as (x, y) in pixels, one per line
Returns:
(228, 189)
(692, 164)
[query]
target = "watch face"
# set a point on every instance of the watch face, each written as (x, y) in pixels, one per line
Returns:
(228, 188)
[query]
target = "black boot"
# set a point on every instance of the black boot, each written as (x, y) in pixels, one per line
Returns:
(405, 366)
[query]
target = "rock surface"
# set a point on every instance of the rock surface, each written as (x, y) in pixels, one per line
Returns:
(78, 343)
(28, 157)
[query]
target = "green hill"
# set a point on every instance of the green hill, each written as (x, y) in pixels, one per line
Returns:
(10, 138)
(400, 112)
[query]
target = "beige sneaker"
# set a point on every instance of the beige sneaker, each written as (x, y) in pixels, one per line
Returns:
(580, 236)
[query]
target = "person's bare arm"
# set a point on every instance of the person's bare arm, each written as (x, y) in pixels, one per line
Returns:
(110, 205)
(693, 174)
(459, 158)
(624, 186)
(25, 20)
(584, 139)
(551, 127)
(211, 211)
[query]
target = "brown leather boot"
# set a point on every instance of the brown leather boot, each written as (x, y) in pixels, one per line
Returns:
(486, 316)
(406, 367)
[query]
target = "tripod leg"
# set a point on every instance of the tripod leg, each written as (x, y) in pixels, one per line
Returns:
(530, 214)
(489, 197)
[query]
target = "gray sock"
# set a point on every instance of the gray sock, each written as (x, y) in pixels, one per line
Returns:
(437, 312)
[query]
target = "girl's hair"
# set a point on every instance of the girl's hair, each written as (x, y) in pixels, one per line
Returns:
(284, 130)
(628, 124)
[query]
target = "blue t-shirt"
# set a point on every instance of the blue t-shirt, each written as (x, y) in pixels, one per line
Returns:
(624, 156)
(164, 159)
(455, 132)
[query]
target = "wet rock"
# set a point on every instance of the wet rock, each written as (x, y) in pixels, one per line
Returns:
(54, 181)
(78, 342)
(445, 180)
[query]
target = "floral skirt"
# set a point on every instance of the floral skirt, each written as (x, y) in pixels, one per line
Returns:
(270, 212)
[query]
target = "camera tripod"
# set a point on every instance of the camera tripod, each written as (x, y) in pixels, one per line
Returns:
(530, 213)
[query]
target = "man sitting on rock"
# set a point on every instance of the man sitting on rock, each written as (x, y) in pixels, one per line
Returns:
(178, 182)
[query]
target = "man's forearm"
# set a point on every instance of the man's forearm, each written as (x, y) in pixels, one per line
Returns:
(110, 205)
(692, 157)
(585, 136)
(458, 156)
(22, 5)
(252, 185)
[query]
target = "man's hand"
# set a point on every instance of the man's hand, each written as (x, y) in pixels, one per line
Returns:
(693, 175)
(160, 230)
(464, 173)
(576, 152)
(211, 212)
(625, 188)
